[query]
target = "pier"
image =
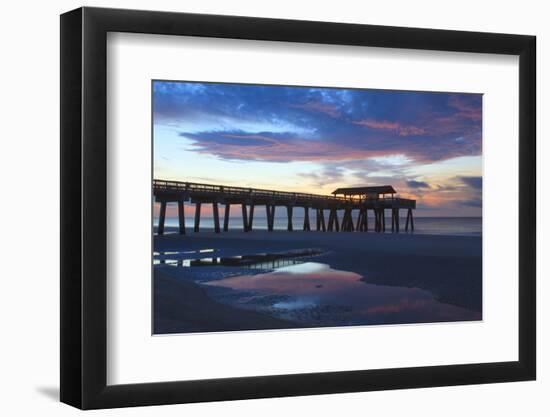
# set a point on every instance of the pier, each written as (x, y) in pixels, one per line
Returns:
(360, 200)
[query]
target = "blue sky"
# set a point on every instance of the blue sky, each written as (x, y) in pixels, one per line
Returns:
(427, 145)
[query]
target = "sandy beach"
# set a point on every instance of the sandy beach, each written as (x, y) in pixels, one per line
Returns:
(438, 278)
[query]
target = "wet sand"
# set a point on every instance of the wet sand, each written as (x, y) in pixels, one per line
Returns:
(449, 267)
(182, 306)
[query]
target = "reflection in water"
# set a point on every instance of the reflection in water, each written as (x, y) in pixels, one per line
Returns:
(184, 252)
(314, 294)
(256, 261)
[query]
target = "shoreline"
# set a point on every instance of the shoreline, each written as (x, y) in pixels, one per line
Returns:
(448, 267)
(174, 230)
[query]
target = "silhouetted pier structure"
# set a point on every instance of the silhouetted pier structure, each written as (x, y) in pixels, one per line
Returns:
(360, 199)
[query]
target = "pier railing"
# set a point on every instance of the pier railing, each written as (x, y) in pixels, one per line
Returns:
(193, 187)
(259, 193)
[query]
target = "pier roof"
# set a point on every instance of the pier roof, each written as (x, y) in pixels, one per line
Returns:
(381, 189)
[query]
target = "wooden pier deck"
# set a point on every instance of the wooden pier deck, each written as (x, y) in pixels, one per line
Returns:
(362, 199)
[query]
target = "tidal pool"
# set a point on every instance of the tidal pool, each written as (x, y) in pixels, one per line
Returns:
(315, 294)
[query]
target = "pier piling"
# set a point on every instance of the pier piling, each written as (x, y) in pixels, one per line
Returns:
(216, 217)
(197, 217)
(245, 218)
(306, 228)
(251, 217)
(162, 217)
(322, 220)
(270, 216)
(226, 217)
(330, 226)
(397, 221)
(289, 214)
(181, 218)
(409, 220)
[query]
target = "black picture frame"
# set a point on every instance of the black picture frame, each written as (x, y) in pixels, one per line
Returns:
(84, 207)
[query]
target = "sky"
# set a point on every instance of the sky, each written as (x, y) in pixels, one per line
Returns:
(427, 145)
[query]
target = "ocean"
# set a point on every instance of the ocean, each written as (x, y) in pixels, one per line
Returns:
(451, 226)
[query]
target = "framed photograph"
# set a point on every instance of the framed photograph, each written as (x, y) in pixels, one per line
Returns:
(258, 208)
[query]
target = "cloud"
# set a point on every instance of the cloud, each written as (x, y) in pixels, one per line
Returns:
(392, 126)
(273, 147)
(417, 184)
(317, 106)
(446, 188)
(468, 107)
(288, 147)
(329, 174)
(473, 182)
(281, 124)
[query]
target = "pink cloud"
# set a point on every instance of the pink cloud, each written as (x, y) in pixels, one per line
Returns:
(319, 107)
(465, 110)
(401, 130)
(281, 148)
(267, 148)
(464, 120)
